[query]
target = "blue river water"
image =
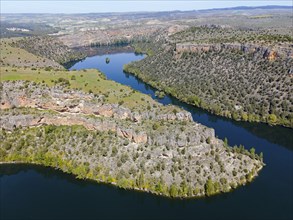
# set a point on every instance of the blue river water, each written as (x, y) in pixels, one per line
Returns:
(34, 192)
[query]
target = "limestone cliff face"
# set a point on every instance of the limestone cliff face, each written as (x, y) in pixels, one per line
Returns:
(76, 108)
(270, 53)
(76, 102)
(166, 146)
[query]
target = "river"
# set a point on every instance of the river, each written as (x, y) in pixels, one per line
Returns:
(34, 192)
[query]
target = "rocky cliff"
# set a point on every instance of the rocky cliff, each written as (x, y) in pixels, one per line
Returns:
(270, 53)
(163, 152)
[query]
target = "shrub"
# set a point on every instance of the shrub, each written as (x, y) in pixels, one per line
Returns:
(156, 126)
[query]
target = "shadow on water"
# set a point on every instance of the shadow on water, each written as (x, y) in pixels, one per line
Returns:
(47, 172)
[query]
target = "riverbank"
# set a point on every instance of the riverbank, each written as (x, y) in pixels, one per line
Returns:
(197, 102)
(65, 166)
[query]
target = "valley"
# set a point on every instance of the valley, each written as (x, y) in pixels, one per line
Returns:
(189, 109)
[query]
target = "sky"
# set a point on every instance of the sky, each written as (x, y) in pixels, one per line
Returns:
(79, 6)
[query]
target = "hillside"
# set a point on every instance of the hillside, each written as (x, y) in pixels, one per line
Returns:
(49, 47)
(17, 57)
(239, 74)
(81, 133)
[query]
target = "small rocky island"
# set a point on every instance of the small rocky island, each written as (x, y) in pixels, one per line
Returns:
(158, 149)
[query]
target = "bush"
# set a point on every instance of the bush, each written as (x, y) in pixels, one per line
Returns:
(155, 126)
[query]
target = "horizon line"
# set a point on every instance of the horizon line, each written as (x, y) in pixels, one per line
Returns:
(125, 12)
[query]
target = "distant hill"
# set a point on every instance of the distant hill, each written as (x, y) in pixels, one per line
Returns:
(251, 8)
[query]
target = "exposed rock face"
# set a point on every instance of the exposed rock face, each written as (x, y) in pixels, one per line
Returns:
(74, 105)
(72, 108)
(75, 102)
(266, 52)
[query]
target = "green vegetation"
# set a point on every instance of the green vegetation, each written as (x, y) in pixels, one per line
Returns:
(17, 57)
(64, 148)
(91, 80)
(211, 187)
(217, 34)
(160, 94)
(48, 47)
(229, 81)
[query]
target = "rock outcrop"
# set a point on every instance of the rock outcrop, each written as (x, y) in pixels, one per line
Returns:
(270, 53)
(26, 94)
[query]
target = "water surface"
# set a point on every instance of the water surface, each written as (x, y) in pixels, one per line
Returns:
(33, 192)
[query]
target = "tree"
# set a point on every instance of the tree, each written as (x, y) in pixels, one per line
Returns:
(261, 155)
(159, 186)
(272, 119)
(173, 191)
(155, 126)
(244, 116)
(226, 142)
(114, 151)
(209, 187)
(140, 180)
(252, 152)
(249, 176)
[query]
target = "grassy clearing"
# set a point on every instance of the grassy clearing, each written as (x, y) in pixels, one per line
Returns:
(87, 80)
(17, 57)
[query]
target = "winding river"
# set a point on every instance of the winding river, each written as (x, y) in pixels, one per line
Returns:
(34, 192)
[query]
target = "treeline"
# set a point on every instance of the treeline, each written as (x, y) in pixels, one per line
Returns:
(117, 43)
